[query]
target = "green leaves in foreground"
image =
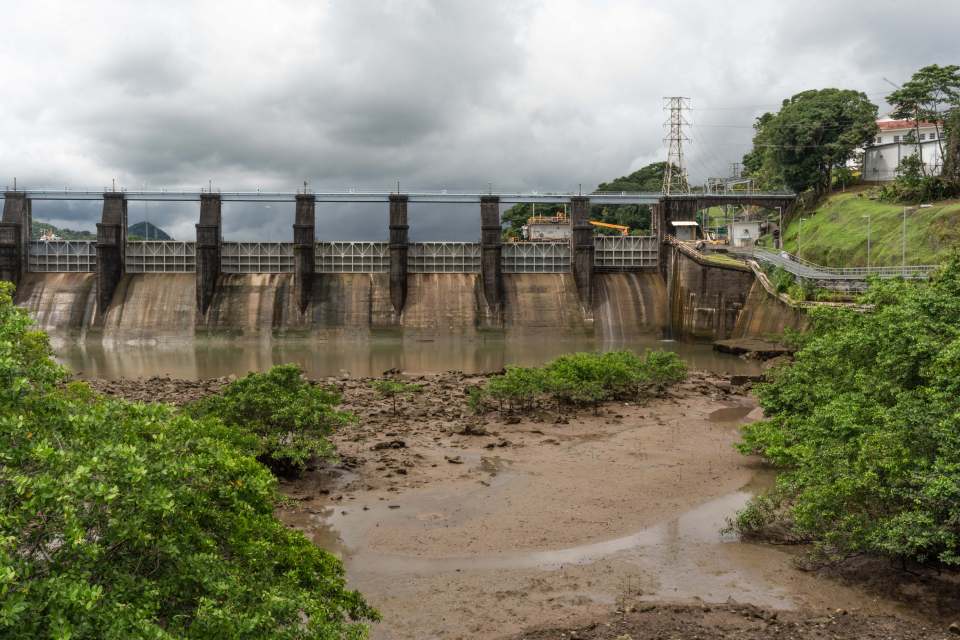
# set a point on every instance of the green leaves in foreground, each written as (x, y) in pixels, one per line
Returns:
(121, 520)
(290, 417)
(866, 425)
(584, 379)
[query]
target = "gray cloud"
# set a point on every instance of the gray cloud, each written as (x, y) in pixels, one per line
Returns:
(435, 93)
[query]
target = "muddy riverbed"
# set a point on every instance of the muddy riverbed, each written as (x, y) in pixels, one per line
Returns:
(570, 526)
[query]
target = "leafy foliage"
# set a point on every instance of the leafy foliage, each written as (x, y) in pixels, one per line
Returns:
(583, 379)
(122, 520)
(290, 417)
(392, 389)
(866, 425)
(637, 217)
(814, 133)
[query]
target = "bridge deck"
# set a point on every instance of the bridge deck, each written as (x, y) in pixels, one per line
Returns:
(358, 196)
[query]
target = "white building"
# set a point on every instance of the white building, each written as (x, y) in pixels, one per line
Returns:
(743, 233)
(896, 140)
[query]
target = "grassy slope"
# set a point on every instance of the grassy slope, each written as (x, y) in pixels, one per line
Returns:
(835, 234)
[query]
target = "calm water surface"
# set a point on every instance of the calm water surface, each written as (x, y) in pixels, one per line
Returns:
(199, 358)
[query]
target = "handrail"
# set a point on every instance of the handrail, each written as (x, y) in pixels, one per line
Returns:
(789, 262)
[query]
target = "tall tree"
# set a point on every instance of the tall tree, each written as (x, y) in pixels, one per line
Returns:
(813, 133)
(929, 95)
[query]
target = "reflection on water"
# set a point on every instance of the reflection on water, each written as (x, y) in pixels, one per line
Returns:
(208, 358)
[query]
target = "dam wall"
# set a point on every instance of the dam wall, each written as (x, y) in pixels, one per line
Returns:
(765, 315)
(156, 305)
(704, 298)
(693, 301)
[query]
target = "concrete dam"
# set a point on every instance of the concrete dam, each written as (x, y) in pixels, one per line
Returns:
(610, 287)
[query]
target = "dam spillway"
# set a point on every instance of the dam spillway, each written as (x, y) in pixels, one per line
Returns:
(604, 286)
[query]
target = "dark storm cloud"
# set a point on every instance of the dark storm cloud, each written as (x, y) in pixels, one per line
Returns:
(434, 93)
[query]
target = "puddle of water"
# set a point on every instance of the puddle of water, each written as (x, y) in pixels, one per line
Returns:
(730, 415)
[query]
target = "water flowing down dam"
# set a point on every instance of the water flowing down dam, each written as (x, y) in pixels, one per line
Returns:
(608, 287)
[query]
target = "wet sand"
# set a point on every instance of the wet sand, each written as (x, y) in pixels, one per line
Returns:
(542, 523)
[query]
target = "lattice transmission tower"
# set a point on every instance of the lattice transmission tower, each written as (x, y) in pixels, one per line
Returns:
(675, 175)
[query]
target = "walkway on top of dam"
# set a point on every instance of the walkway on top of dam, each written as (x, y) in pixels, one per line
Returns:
(444, 196)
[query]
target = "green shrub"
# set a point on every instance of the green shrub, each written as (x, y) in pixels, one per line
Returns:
(664, 368)
(866, 424)
(290, 417)
(122, 520)
(391, 389)
(583, 379)
(518, 387)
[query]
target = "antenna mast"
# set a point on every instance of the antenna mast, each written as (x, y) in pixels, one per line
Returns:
(675, 174)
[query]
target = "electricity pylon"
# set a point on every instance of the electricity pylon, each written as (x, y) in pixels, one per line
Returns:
(675, 175)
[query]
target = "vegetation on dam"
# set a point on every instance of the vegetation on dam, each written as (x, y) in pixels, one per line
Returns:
(122, 520)
(866, 427)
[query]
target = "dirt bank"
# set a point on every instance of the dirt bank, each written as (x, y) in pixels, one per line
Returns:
(464, 526)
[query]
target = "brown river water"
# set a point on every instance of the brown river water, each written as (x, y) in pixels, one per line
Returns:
(209, 358)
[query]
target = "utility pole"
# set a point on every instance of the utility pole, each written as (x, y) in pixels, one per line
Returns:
(675, 175)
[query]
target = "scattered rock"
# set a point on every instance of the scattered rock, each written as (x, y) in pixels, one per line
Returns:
(389, 444)
(453, 459)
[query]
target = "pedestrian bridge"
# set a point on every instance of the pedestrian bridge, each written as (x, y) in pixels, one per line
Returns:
(837, 278)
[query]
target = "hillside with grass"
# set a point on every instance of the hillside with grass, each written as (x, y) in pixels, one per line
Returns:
(835, 233)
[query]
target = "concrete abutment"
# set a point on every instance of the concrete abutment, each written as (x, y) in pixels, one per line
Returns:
(111, 248)
(209, 240)
(399, 248)
(15, 236)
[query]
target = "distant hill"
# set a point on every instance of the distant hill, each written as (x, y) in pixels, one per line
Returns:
(139, 231)
(146, 231)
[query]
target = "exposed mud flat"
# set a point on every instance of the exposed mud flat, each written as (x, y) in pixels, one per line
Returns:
(462, 526)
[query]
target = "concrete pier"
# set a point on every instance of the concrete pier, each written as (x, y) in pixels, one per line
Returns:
(111, 247)
(15, 236)
(304, 249)
(491, 263)
(399, 246)
(209, 239)
(582, 263)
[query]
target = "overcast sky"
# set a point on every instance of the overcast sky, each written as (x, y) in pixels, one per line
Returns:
(523, 94)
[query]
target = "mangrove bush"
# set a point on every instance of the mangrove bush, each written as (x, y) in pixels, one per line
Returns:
(866, 426)
(122, 520)
(290, 417)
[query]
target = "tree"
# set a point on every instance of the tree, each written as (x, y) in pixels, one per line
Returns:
(865, 425)
(929, 95)
(388, 388)
(290, 417)
(813, 133)
(951, 154)
(122, 520)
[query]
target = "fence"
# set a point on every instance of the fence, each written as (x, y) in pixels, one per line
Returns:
(618, 253)
(161, 256)
(352, 257)
(536, 257)
(62, 255)
(256, 257)
(444, 257)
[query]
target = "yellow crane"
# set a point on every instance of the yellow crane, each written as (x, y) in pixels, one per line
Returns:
(622, 228)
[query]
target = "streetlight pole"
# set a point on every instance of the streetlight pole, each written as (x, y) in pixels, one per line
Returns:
(868, 239)
(780, 229)
(800, 239)
(903, 242)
